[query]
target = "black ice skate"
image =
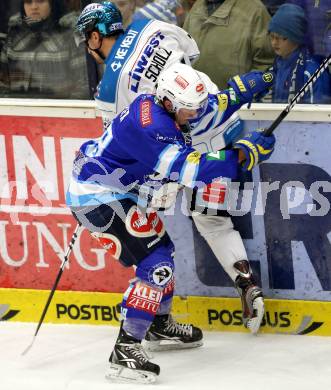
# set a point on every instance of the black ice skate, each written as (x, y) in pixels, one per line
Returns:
(251, 296)
(129, 362)
(165, 334)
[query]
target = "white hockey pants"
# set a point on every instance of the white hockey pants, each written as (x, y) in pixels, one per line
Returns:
(225, 242)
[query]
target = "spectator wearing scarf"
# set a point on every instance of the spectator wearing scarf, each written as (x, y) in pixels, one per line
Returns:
(317, 14)
(294, 64)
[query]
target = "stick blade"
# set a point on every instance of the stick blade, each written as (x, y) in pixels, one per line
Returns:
(27, 349)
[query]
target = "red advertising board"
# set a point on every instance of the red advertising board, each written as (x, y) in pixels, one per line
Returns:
(36, 155)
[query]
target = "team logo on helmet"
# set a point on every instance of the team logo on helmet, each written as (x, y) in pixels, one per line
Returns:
(92, 7)
(200, 88)
(181, 82)
(178, 83)
(116, 26)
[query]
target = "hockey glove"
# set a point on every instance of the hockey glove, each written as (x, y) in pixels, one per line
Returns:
(252, 84)
(256, 147)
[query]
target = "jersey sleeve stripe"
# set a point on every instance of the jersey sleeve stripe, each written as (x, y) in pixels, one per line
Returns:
(188, 174)
(166, 159)
(88, 194)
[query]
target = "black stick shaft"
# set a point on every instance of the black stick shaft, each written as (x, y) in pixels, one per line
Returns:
(298, 96)
(65, 260)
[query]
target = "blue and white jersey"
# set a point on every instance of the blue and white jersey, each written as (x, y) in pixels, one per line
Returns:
(220, 125)
(134, 64)
(136, 60)
(141, 142)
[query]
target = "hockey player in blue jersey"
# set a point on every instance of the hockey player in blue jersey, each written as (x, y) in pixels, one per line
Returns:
(134, 60)
(110, 192)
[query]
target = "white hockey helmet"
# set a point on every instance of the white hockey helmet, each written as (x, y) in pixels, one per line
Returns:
(184, 87)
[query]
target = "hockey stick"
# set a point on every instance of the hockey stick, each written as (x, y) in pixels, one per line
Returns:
(65, 259)
(298, 96)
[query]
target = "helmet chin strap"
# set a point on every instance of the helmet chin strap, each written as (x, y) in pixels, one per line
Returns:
(185, 128)
(186, 131)
(100, 54)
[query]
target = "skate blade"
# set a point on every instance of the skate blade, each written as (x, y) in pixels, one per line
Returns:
(253, 324)
(169, 345)
(118, 373)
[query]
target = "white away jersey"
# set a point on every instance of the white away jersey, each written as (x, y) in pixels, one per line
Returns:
(137, 59)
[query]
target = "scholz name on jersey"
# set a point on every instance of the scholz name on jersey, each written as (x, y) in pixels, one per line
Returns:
(155, 59)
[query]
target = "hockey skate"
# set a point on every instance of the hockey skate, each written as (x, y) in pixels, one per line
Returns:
(251, 297)
(167, 334)
(130, 363)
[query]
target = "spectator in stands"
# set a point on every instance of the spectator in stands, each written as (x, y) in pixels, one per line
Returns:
(7, 8)
(232, 37)
(141, 3)
(327, 37)
(3, 24)
(169, 11)
(127, 8)
(72, 5)
(294, 65)
(187, 5)
(273, 5)
(317, 12)
(40, 58)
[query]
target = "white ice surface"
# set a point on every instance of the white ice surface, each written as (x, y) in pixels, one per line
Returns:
(74, 357)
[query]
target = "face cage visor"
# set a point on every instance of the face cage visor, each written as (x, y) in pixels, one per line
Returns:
(82, 34)
(200, 108)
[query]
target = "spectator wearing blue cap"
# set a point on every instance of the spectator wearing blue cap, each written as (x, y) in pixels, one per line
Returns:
(294, 64)
(273, 5)
(327, 36)
(317, 13)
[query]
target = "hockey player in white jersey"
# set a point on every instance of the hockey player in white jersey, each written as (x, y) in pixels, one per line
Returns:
(134, 60)
(109, 193)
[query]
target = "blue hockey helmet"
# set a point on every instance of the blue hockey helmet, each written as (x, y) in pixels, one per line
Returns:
(104, 17)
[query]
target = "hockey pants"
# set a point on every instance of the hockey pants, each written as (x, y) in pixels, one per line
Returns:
(225, 242)
(140, 240)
